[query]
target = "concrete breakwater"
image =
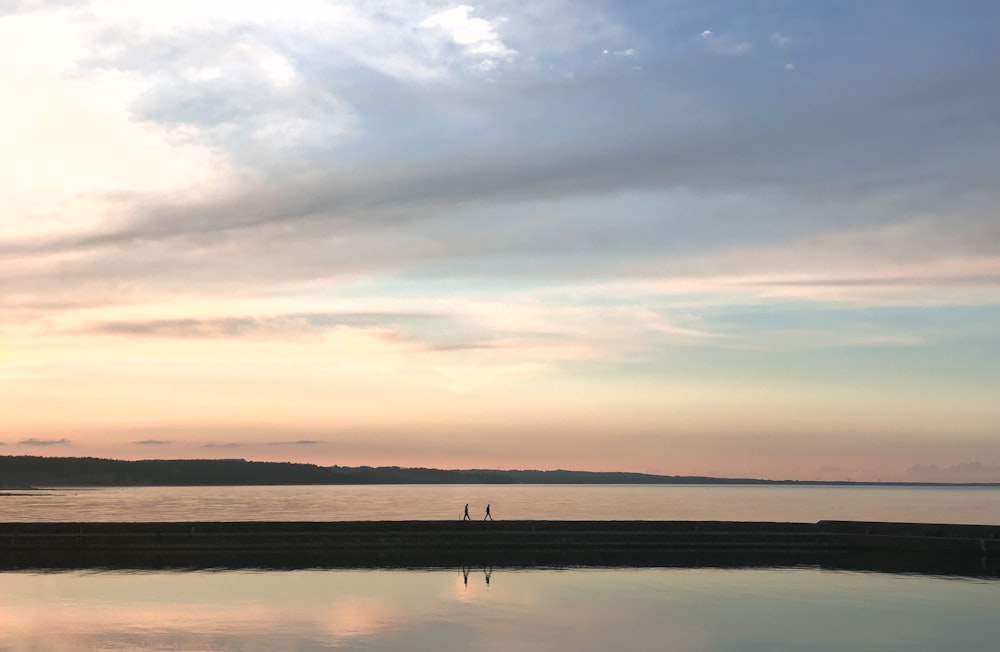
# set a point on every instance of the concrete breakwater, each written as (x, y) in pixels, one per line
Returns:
(894, 547)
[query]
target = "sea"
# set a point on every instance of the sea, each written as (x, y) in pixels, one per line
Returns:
(495, 608)
(782, 503)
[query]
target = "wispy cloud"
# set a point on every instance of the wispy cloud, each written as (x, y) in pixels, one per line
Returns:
(152, 442)
(272, 327)
(725, 44)
(628, 52)
(44, 442)
(896, 339)
(932, 259)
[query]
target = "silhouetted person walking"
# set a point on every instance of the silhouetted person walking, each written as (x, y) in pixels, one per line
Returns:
(488, 517)
(466, 517)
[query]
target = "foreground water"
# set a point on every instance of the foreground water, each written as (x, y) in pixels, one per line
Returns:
(683, 610)
(686, 610)
(788, 503)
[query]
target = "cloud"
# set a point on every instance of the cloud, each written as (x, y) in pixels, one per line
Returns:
(932, 259)
(724, 44)
(225, 445)
(268, 327)
(431, 209)
(55, 179)
(152, 442)
(335, 187)
(309, 212)
(898, 339)
(300, 442)
(44, 442)
(708, 194)
(541, 328)
(18, 6)
(395, 39)
(238, 90)
(477, 35)
(254, 82)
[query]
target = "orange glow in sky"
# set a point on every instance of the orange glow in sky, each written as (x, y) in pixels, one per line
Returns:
(477, 237)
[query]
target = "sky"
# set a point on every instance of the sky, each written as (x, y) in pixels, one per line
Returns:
(742, 238)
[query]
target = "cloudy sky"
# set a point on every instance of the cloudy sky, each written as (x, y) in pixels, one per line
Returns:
(737, 238)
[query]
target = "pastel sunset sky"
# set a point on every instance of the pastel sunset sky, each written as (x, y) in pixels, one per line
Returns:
(735, 238)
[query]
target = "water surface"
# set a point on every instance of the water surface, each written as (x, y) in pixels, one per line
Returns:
(683, 610)
(788, 503)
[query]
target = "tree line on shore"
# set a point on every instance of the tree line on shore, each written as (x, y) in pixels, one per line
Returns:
(38, 471)
(26, 471)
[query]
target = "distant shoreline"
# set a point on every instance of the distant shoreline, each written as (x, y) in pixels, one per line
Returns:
(722, 482)
(29, 472)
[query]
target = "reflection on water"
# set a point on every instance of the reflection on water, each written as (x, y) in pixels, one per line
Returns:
(973, 505)
(485, 608)
(487, 574)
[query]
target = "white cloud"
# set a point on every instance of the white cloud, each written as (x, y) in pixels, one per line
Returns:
(69, 141)
(478, 35)
(255, 78)
(779, 39)
(275, 67)
(724, 44)
(170, 86)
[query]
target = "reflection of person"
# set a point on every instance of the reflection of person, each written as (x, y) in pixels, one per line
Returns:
(465, 575)
(488, 517)
(466, 517)
(488, 572)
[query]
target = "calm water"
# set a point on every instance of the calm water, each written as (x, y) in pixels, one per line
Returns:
(600, 502)
(682, 610)
(697, 610)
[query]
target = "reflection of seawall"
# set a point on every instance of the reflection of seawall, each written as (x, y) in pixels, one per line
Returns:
(894, 547)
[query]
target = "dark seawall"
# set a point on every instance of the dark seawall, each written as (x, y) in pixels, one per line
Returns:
(968, 550)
